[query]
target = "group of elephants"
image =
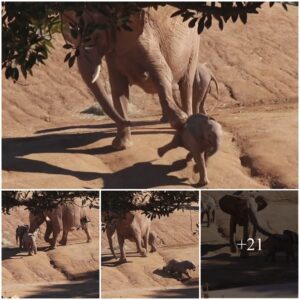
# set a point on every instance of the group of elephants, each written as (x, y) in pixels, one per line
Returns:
(64, 218)
(243, 210)
(160, 54)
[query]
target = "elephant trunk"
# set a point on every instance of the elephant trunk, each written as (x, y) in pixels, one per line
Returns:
(253, 219)
(90, 70)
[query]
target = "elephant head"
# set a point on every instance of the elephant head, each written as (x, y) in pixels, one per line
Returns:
(36, 220)
(244, 209)
(105, 38)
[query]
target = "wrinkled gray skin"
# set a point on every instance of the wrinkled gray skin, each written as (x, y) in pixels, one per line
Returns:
(178, 268)
(158, 52)
(201, 136)
(133, 226)
(29, 242)
(243, 211)
(66, 217)
(208, 208)
(281, 243)
(201, 87)
(20, 231)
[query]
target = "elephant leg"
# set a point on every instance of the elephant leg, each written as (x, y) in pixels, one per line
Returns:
(138, 241)
(175, 142)
(232, 229)
(186, 93)
(208, 218)
(122, 251)
(202, 216)
(48, 232)
(87, 232)
(200, 161)
(244, 250)
(56, 232)
(162, 77)
(64, 238)
(120, 96)
(213, 216)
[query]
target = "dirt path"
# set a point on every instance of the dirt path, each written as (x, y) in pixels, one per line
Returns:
(53, 139)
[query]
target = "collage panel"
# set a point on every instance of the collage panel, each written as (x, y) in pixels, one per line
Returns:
(50, 244)
(150, 244)
(249, 244)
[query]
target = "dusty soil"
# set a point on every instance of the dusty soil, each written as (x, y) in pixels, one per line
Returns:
(53, 139)
(225, 274)
(142, 277)
(67, 271)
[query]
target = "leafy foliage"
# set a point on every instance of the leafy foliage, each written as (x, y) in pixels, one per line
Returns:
(28, 27)
(37, 201)
(154, 204)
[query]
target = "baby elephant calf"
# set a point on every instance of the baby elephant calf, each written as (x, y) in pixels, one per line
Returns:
(208, 208)
(20, 231)
(29, 242)
(201, 136)
(178, 268)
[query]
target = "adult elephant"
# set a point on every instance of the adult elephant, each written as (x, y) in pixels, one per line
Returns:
(133, 226)
(243, 211)
(66, 217)
(159, 51)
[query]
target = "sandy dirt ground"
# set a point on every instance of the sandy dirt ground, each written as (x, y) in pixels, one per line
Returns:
(53, 139)
(224, 274)
(143, 277)
(70, 271)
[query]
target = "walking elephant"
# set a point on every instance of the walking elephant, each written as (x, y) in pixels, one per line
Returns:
(66, 217)
(159, 51)
(133, 226)
(243, 211)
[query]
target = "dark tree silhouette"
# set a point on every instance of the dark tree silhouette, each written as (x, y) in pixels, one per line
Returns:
(37, 201)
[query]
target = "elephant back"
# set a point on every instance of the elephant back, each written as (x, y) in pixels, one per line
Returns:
(230, 204)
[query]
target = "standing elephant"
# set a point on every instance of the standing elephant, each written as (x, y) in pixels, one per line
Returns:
(133, 226)
(66, 217)
(159, 51)
(201, 136)
(243, 211)
(208, 208)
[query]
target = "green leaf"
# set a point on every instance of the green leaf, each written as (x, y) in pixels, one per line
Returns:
(71, 61)
(67, 46)
(67, 57)
(192, 23)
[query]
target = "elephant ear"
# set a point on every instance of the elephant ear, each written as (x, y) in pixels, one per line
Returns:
(261, 203)
(68, 18)
(230, 204)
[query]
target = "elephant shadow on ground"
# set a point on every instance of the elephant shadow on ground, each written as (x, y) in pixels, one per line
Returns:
(15, 151)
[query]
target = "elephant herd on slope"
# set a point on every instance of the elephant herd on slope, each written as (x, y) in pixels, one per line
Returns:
(160, 54)
(65, 217)
(243, 210)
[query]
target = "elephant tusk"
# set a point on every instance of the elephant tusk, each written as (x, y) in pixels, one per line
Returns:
(96, 74)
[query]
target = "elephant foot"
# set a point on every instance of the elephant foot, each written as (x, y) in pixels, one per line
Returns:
(63, 243)
(89, 240)
(144, 253)
(160, 152)
(121, 144)
(122, 260)
(203, 182)
(164, 119)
